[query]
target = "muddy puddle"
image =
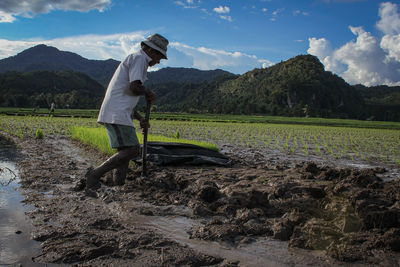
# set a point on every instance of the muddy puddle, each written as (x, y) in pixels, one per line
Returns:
(16, 246)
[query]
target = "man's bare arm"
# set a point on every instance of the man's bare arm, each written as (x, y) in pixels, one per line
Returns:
(138, 89)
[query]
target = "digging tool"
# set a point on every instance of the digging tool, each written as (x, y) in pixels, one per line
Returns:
(144, 149)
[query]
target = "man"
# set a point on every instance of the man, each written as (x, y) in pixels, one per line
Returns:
(118, 108)
(52, 107)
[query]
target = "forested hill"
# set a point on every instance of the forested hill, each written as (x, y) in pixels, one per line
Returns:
(44, 57)
(297, 87)
(184, 75)
(40, 88)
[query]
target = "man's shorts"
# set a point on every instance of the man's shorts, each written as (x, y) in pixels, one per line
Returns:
(121, 135)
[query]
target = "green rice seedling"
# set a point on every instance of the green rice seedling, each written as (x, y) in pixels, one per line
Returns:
(20, 133)
(39, 134)
(158, 138)
(94, 137)
(98, 138)
(318, 148)
(295, 142)
(177, 134)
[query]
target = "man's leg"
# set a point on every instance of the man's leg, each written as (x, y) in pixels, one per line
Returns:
(119, 174)
(125, 140)
(118, 160)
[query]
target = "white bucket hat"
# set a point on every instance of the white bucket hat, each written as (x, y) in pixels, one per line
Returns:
(158, 43)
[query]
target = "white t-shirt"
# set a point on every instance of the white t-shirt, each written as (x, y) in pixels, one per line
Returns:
(119, 100)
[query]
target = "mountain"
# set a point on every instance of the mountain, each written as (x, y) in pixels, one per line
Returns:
(183, 75)
(42, 57)
(297, 87)
(40, 88)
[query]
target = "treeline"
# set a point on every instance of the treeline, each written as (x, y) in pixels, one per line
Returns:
(381, 102)
(41, 88)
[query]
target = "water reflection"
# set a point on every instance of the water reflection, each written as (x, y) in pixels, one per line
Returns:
(7, 176)
(16, 247)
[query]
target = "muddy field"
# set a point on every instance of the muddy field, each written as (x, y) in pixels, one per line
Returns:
(258, 212)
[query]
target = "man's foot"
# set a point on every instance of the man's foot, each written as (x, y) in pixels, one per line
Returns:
(91, 193)
(118, 178)
(119, 174)
(92, 181)
(79, 185)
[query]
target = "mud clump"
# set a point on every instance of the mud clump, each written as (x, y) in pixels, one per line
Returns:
(356, 216)
(208, 192)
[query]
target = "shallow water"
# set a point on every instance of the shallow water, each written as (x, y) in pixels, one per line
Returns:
(16, 247)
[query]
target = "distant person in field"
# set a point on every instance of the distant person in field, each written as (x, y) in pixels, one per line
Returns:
(52, 107)
(118, 109)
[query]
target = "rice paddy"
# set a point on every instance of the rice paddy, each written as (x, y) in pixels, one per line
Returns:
(359, 144)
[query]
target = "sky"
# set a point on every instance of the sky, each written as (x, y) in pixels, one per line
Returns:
(359, 40)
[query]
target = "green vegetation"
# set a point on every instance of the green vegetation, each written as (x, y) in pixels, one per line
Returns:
(39, 134)
(98, 138)
(275, 120)
(361, 144)
(92, 113)
(59, 112)
(345, 143)
(41, 88)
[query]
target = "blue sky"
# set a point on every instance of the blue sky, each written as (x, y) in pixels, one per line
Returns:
(357, 39)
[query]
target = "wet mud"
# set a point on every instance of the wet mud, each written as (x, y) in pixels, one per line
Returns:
(253, 213)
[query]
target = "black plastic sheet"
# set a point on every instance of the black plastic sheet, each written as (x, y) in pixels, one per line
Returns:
(163, 153)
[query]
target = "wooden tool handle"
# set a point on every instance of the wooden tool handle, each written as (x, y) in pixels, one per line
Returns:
(144, 149)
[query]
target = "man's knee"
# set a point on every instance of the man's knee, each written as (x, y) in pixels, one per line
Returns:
(129, 152)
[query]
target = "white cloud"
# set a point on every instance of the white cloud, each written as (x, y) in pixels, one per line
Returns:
(6, 17)
(276, 12)
(9, 9)
(391, 44)
(367, 60)
(187, 3)
(320, 48)
(228, 18)
(390, 19)
(222, 9)
(117, 46)
(206, 58)
(298, 12)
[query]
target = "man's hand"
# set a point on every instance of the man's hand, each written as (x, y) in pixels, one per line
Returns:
(144, 124)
